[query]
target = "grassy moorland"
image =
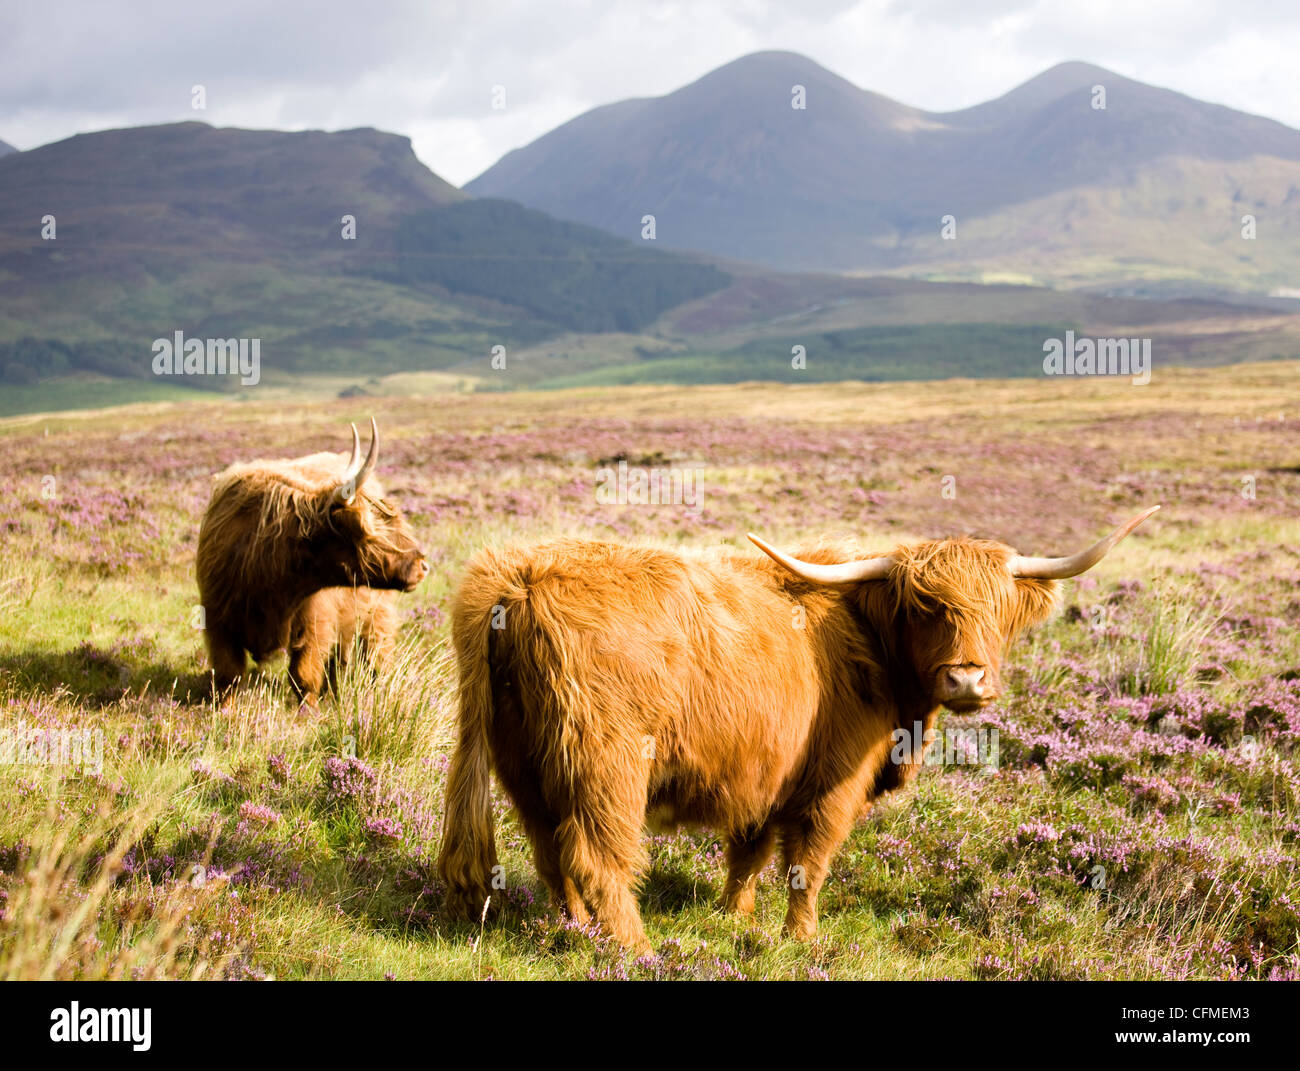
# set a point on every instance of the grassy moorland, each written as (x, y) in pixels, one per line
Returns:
(1143, 820)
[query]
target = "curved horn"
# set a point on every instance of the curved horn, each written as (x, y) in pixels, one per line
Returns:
(356, 472)
(356, 452)
(372, 455)
(1062, 568)
(843, 573)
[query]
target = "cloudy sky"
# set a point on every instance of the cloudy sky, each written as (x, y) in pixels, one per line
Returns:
(427, 68)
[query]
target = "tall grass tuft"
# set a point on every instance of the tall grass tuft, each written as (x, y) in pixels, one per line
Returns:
(1161, 647)
(78, 912)
(401, 714)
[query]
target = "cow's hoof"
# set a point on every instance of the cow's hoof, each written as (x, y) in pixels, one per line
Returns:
(800, 930)
(641, 949)
(740, 904)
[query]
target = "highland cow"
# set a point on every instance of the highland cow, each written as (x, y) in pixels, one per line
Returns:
(285, 552)
(604, 684)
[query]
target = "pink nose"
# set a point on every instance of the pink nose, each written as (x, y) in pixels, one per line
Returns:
(962, 682)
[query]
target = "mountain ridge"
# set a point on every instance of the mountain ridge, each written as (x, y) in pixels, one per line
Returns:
(858, 182)
(330, 247)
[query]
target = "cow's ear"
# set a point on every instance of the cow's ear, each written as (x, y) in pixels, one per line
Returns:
(342, 516)
(877, 605)
(1035, 601)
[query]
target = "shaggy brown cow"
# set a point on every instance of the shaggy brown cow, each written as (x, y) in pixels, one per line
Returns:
(605, 683)
(275, 536)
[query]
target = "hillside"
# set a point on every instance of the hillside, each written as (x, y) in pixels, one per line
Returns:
(1042, 186)
(885, 328)
(238, 233)
(6, 148)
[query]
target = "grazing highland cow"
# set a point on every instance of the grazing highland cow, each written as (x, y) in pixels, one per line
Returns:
(606, 683)
(286, 552)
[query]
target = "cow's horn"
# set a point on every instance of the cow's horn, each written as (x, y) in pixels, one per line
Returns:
(843, 573)
(1062, 568)
(355, 474)
(355, 460)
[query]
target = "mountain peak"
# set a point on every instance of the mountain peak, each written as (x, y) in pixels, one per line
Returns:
(1075, 71)
(773, 61)
(1072, 76)
(764, 77)
(345, 163)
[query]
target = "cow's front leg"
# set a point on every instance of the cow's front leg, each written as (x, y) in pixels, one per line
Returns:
(228, 660)
(807, 844)
(747, 854)
(307, 674)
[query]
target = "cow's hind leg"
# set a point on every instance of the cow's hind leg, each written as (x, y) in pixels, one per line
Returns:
(307, 673)
(519, 777)
(747, 854)
(311, 638)
(379, 633)
(546, 857)
(600, 852)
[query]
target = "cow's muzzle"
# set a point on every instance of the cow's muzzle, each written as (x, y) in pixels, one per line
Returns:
(963, 686)
(416, 572)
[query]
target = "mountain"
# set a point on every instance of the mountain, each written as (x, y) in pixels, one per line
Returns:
(237, 234)
(6, 148)
(128, 195)
(240, 234)
(1043, 186)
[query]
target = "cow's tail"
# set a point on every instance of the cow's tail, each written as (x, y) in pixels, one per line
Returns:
(468, 859)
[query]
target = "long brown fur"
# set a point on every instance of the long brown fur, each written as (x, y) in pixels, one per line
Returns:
(605, 683)
(280, 560)
(328, 627)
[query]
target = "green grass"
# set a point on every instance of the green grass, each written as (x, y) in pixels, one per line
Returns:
(90, 392)
(1164, 656)
(1123, 730)
(874, 354)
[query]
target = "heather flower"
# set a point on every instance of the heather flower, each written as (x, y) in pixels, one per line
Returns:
(258, 815)
(1036, 833)
(278, 768)
(204, 774)
(348, 779)
(383, 829)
